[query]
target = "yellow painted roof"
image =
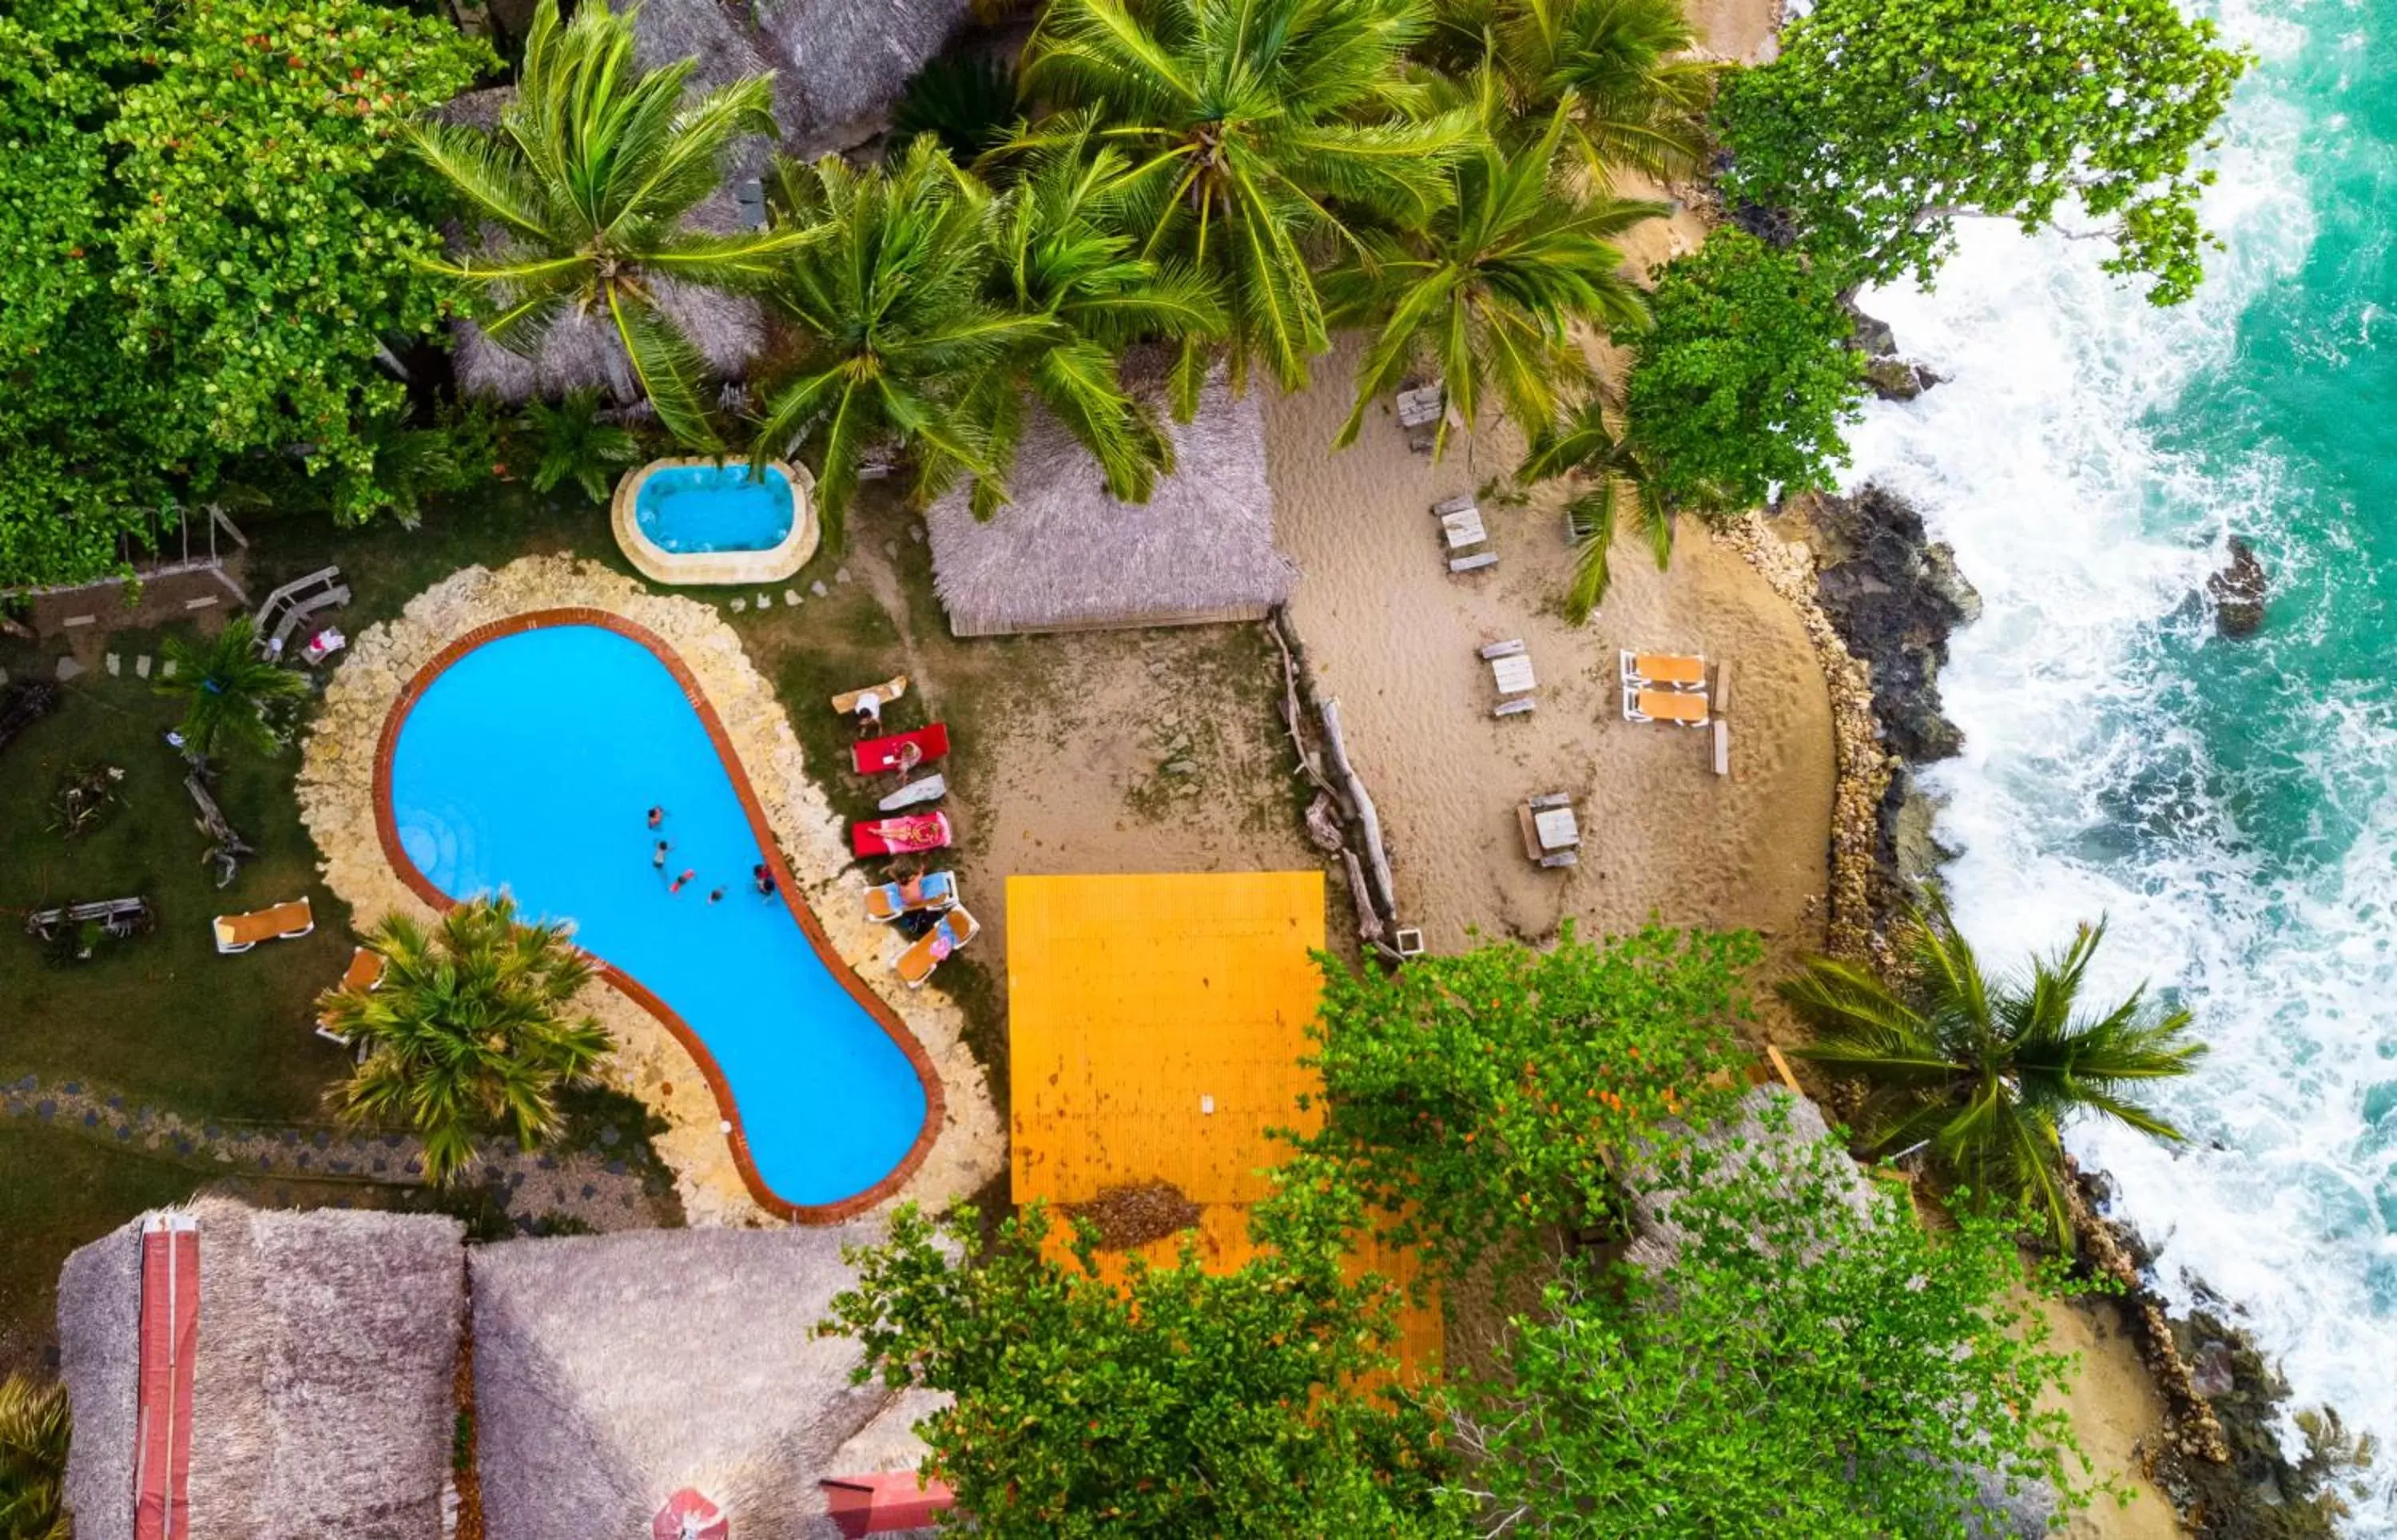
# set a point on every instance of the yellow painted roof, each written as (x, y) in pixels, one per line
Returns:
(1134, 1004)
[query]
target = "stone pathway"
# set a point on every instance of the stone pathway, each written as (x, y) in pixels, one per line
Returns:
(603, 1193)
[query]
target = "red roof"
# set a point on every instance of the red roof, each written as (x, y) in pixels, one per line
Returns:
(171, 1339)
(688, 1516)
(885, 1502)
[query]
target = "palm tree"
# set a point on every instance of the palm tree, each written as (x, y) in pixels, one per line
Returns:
(569, 443)
(226, 688)
(887, 287)
(467, 1031)
(1623, 69)
(35, 1425)
(1256, 132)
(1984, 1071)
(1492, 290)
(1620, 491)
(590, 176)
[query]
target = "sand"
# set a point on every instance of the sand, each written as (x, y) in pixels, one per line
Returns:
(1393, 636)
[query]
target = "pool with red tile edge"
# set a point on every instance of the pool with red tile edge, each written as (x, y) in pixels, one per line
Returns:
(387, 831)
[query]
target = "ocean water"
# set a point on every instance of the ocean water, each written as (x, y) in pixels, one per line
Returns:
(2231, 807)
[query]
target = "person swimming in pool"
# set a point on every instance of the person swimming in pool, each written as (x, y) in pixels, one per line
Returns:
(657, 816)
(716, 897)
(658, 857)
(688, 874)
(764, 879)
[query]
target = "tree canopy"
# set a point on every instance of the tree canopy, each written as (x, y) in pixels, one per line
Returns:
(1882, 120)
(209, 242)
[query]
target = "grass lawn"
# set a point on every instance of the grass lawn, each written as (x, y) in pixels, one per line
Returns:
(58, 1191)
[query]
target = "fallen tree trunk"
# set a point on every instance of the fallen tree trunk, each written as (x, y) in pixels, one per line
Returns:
(1369, 821)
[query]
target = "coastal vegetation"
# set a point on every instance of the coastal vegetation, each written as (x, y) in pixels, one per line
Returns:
(33, 1432)
(1983, 1072)
(468, 1031)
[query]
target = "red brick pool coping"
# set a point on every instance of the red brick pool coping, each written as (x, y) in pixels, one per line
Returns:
(387, 831)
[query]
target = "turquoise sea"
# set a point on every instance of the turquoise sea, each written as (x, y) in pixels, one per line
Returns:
(2231, 806)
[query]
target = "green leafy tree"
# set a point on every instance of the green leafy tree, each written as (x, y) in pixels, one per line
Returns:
(1800, 1360)
(591, 177)
(1620, 490)
(886, 285)
(1882, 120)
(1491, 290)
(1479, 1098)
(207, 244)
(1177, 1404)
(569, 443)
(1985, 1071)
(34, 1428)
(469, 1032)
(1622, 70)
(1743, 381)
(1256, 133)
(226, 688)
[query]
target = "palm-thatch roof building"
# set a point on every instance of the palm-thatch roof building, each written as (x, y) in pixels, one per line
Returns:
(618, 1374)
(840, 63)
(1067, 555)
(321, 1397)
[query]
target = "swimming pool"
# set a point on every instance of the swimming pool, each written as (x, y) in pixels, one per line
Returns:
(529, 761)
(703, 508)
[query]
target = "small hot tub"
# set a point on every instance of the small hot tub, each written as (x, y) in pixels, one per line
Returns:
(702, 521)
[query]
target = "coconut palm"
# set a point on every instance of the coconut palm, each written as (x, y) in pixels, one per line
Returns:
(590, 177)
(1985, 1071)
(33, 1434)
(888, 289)
(1618, 493)
(226, 688)
(569, 443)
(1489, 292)
(1256, 132)
(467, 1031)
(1636, 97)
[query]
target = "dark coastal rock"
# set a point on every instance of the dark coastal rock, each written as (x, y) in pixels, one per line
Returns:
(1873, 338)
(1894, 596)
(2238, 591)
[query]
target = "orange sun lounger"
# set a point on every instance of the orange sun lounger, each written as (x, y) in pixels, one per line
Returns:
(1676, 705)
(1673, 670)
(238, 933)
(364, 973)
(916, 965)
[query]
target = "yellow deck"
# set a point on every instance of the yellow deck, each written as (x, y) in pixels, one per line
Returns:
(1133, 1002)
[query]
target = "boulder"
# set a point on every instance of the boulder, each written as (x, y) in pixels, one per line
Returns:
(1893, 379)
(2238, 591)
(1873, 338)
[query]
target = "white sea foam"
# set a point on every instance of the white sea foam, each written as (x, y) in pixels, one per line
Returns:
(2086, 538)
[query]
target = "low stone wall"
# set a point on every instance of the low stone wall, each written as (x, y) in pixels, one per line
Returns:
(336, 791)
(720, 568)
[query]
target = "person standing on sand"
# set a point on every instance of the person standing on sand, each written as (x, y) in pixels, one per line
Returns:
(685, 877)
(657, 816)
(658, 857)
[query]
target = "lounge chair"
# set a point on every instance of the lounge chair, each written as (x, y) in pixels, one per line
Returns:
(902, 752)
(1474, 562)
(1663, 671)
(238, 933)
(950, 932)
(363, 975)
(934, 890)
(886, 692)
(1552, 836)
(1679, 706)
(932, 788)
(1464, 528)
(901, 836)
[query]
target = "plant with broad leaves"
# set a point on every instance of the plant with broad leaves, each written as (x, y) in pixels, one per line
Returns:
(965, 100)
(1104, 1396)
(1881, 122)
(226, 688)
(468, 1030)
(1480, 1098)
(1985, 1071)
(569, 443)
(35, 1431)
(1801, 1356)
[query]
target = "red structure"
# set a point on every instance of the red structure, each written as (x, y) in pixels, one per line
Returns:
(171, 1339)
(688, 1516)
(886, 1502)
(903, 750)
(903, 836)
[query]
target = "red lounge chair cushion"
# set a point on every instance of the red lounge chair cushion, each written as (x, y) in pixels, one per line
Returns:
(874, 756)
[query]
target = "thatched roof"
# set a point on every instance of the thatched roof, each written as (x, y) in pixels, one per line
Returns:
(321, 1398)
(582, 349)
(842, 62)
(1065, 555)
(612, 1371)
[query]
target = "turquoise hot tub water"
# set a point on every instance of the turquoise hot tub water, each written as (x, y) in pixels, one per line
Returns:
(699, 508)
(530, 763)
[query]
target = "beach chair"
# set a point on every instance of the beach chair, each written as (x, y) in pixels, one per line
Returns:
(902, 752)
(1462, 528)
(953, 930)
(932, 788)
(363, 975)
(901, 836)
(1472, 564)
(1678, 707)
(238, 933)
(1552, 836)
(1663, 671)
(934, 890)
(888, 691)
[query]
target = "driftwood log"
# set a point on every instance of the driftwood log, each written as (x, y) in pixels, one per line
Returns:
(1368, 822)
(230, 847)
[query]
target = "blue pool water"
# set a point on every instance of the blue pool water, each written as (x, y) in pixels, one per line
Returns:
(690, 508)
(530, 763)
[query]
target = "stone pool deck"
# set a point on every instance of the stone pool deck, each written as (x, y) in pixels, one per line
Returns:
(336, 788)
